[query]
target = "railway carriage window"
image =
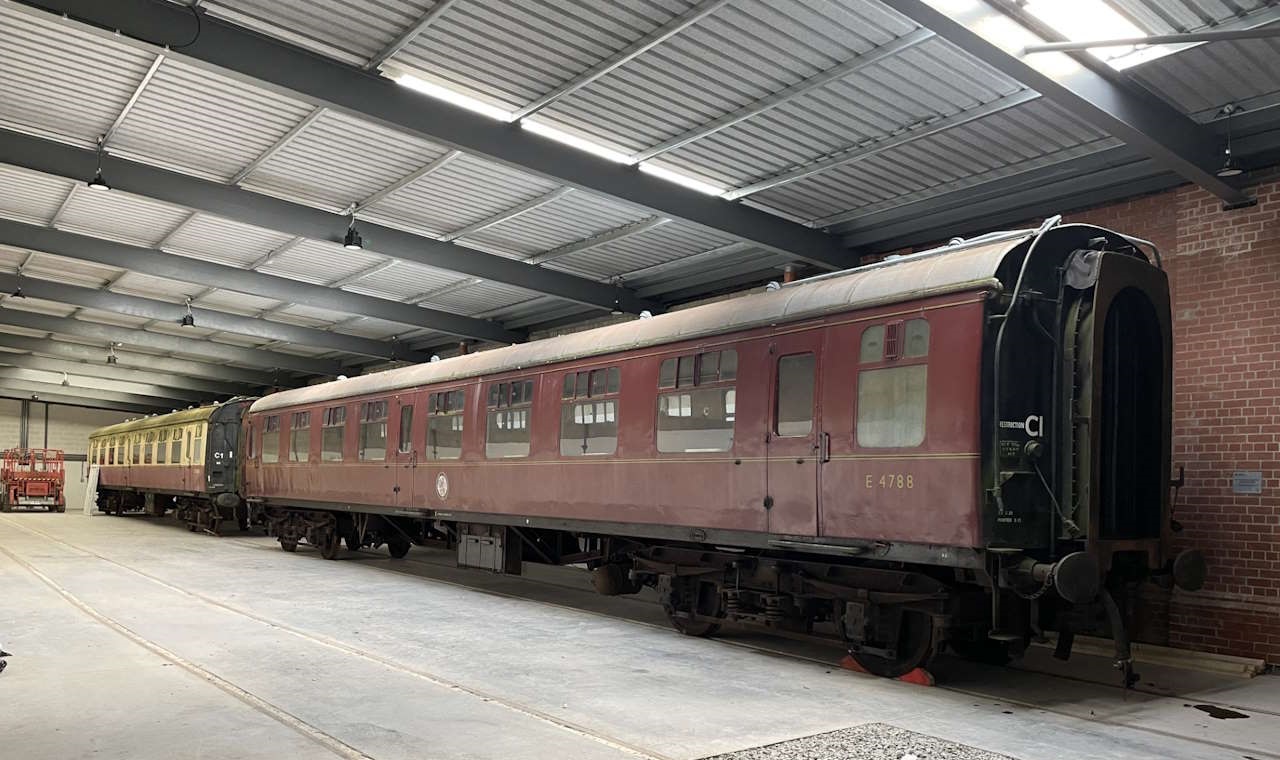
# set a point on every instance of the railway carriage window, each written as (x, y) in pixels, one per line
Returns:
(300, 437)
(332, 429)
(589, 421)
(137, 449)
(197, 448)
(175, 448)
(406, 429)
(891, 405)
(271, 439)
(917, 339)
(667, 374)
(444, 423)
(148, 446)
(795, 395)
(699, 418)
(872, 345)
(373, 431)
(162, 447)
(510, 406)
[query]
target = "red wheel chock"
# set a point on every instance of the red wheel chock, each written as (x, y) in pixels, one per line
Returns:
(917, 676)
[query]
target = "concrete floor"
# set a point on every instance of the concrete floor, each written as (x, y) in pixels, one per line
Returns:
(136, 639)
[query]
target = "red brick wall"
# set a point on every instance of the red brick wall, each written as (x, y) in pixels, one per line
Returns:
(1225, 271)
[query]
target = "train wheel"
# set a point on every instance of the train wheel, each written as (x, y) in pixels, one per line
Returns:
(912, 649)
(330, 544)
(289, 546)
(698, 628)
(398, 547)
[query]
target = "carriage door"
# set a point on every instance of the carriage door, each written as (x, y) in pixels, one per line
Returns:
(793, 441)
(403, 453)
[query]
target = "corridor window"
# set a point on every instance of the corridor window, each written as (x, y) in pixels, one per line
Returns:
(271, 440)
(701, 416)
(589, 418)
(373, 431)
(300, 437)
(700, 419)
(444, 424)
(510, 406)
(795, 395)
(332, 432)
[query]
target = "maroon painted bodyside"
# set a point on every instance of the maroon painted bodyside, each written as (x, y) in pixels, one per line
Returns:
(924, 494)
(174, 478)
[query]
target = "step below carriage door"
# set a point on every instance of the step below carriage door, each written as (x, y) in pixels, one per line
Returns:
(404, 446)
(794, 441)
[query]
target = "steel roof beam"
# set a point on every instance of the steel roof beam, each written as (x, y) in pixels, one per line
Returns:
(625, 55)
(277, 146)
(133, 100)
(163, 311)
(254, 357)
(87, 399)
(769, 102)
(197, 271)
(410, 34)
(867, 150)
(170, 384)
(129, 366)
(215, 378)
(1149, 125)
(264, 61)
(302, 221)
(507, 215)
(38, 382)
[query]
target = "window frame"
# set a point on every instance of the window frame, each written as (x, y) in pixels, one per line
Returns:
(777, 389)
(327, 423)
(368, 414)
(445, 404)
(893, 357)
(501, 397)
(294, 429)
(724, 380)
(590, 387)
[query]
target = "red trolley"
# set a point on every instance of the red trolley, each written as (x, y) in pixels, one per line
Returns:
(33, 478)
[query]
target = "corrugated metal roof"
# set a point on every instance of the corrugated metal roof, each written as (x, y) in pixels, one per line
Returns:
(669, 242)
(119, 216)
(476, 298)
(339, 160)
(352, 32)
(404, 281)
(47, 266)
(1169, 16)
(138, 284)
(195, 121)
(1203, 79)
(212, 238)
(58, 80)
(29, 196)
(929, 81)
(319, 262)
(465, 191)
(1009, 138)
(576, 216)
(510, 53)
(236, 303)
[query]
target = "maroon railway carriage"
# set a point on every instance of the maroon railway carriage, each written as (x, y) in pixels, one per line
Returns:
(961, 446)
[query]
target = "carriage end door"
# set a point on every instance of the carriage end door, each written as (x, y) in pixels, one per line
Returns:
(794, 440)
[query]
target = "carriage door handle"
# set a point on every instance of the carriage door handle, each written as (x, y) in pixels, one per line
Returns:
(824, 447)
